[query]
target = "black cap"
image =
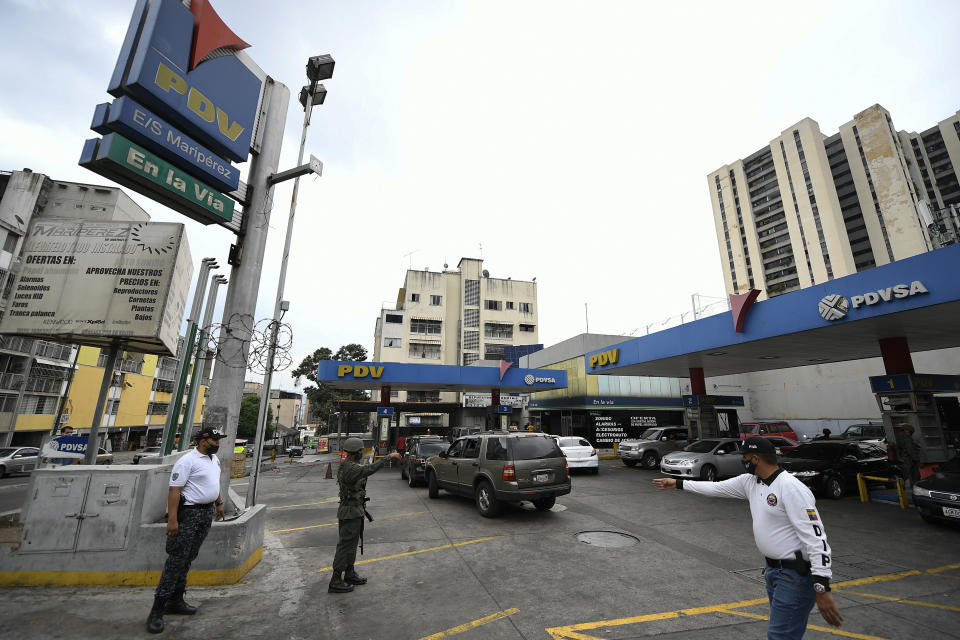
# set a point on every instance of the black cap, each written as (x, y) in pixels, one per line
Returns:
(757, 444)
(211, 432)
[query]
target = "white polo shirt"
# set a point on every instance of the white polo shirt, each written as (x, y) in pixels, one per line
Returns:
(785, 516)
(198, 475)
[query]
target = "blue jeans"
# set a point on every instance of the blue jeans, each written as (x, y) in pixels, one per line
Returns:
(791, 599)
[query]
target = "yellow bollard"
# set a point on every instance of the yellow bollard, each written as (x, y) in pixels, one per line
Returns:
(616, 447)
(901, 493)
(862, 486)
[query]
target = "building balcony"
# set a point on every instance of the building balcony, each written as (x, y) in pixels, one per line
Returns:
(11, 381)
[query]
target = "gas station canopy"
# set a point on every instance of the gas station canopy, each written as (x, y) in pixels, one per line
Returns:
(437, 377)
(916, 298)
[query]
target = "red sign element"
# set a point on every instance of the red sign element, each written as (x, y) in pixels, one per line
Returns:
(210, 33)
(504, 365)
(739, 305)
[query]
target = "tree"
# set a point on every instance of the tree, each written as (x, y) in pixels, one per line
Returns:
(249, 411)
(322, 397)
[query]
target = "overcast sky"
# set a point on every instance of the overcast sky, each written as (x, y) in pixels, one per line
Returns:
(571, 140)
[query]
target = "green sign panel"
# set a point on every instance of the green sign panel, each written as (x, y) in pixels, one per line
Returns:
(172, 180)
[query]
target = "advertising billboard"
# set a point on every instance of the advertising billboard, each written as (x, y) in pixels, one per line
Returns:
(91, 283)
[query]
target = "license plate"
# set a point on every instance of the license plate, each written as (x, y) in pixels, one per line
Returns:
(953, 513)
(541, 477)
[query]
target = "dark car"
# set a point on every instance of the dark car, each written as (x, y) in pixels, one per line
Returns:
(501, 466)
(938, 496)
(295, 450)
(868, 431)
(830, 467)
(414, 464)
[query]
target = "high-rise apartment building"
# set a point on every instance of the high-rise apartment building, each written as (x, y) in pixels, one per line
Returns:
(454, 317)
(808, 208)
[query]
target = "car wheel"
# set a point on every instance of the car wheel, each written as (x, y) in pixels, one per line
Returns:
(411, 480)
(834, 488)
(545, 504)
(708, 473)
(403, 472)
(486, 500)
(650, 460)
(595, 470)
(433, 489)
(630, 463)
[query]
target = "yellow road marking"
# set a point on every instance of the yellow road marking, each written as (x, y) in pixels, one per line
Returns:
(333, 524)
(413, 553)
(904, 601)
(499, 615)
(839, 632)
(305, 504)
(569, 631)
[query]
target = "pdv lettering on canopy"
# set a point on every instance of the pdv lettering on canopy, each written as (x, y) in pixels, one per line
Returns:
(359, 371)
(604, 358)
(182, 63)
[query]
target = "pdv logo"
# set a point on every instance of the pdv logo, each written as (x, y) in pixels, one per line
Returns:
(185, 64)
(834, 307)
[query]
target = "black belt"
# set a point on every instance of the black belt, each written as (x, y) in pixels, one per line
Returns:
(196, 506)
(799, 565)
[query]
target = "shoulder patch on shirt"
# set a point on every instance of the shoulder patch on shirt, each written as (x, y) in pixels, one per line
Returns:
(812, 514)
(772, 499)
(175, 476)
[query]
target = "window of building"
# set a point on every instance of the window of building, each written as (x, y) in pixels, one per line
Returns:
(414, 297)
(394, 394)
(471, 339)
(493, 305)
(468, 359)
(158, 408)
(163, 386)
(471, 317)
(436, 301)
(526, 307)
(510, 305)
(392, 342)
(8, 402)
(423, 396)
(426, 327)
(498, 331)
(493, 351)
(10, 243)
(422, 350)
(471, 293)
(528, 328)
(392, 318)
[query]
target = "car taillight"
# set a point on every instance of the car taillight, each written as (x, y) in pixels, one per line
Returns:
(566, 467)
(509, 473)
(593, 453)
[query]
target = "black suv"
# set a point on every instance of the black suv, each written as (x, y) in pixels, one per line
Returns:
(417, 450)
(501, 466)
(830, 467)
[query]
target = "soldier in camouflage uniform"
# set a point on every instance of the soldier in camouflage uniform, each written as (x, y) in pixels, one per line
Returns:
(352, 478)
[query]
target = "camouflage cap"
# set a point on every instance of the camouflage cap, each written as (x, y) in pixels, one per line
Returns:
(353, 445)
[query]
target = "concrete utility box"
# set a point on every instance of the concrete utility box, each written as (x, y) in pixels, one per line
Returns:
(95, 525)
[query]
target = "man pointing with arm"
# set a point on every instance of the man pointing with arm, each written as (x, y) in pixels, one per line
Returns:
(788, 532)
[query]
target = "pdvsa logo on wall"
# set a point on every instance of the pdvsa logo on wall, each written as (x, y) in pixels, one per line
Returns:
(836, 307)
(529, 379)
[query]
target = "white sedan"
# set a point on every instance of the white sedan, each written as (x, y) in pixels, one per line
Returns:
(580, 453)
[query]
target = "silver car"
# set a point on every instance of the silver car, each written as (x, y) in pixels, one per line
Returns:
(18, 460)
(650, 447)
(705, 460)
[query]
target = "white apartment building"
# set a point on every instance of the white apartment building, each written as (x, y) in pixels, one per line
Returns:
(808, 208)
(454, 317)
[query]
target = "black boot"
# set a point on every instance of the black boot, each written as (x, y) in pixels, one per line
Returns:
(337, 585)
(178, 607)
(351, 577)
(155, 619)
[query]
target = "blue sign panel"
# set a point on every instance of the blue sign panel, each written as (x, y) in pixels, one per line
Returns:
(504, 408)
(216, 102)
(400, 375)
(915, 382)
(384, 411)
(139, 124)
(713, 401)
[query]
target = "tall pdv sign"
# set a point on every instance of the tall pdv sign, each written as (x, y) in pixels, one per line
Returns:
(186, 96)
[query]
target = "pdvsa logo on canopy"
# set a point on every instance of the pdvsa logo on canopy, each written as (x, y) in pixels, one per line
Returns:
(835, 307)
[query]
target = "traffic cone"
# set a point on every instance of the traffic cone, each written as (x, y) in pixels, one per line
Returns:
(329, 475)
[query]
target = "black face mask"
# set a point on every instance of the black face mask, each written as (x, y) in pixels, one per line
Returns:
(750, 466)
(213, 448)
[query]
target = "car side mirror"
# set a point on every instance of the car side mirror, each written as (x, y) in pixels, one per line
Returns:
(849, 458)
(663, 439)
(444, 454)
(721, 453)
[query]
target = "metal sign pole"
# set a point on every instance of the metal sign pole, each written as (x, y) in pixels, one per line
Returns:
(196, 377)
(93, 447)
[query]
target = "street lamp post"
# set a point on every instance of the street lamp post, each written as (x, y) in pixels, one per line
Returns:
(318, 68)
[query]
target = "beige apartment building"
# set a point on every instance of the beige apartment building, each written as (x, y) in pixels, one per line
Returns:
(808, 208)
(455, 317)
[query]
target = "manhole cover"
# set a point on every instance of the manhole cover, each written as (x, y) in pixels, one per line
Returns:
(608, 539)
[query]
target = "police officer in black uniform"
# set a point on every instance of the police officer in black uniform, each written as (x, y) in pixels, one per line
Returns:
(352, 478)
(193, 497)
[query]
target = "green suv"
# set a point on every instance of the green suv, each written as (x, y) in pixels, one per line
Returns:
(501, 466)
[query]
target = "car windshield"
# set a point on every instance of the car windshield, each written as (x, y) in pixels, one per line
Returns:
(748, 428)
(432, 448)
(701, 446)
(571, 442)
(534, 448)
(5, 453)
(651, 434)
(815, 451)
